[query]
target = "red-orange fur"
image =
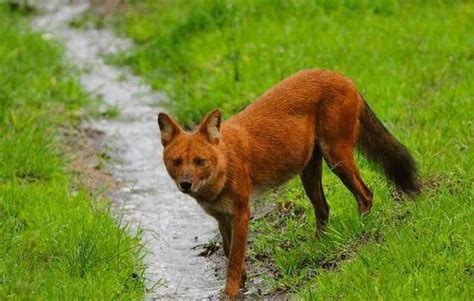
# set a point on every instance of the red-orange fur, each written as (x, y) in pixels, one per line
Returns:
(286, 132)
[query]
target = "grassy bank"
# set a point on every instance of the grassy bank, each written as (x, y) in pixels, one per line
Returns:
(56, 241)
(414, 63)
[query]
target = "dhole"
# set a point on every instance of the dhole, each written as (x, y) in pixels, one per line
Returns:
(309, 116)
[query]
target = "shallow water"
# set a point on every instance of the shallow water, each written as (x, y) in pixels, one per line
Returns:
(173, 222)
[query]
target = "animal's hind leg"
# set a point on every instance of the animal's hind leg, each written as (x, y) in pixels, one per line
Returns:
(313, 186)
(340, 158)
(338, 129)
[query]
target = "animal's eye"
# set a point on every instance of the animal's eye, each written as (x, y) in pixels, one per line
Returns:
(177, 161)
(200, 161)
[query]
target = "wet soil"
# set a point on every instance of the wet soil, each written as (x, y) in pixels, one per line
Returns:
(87, 160)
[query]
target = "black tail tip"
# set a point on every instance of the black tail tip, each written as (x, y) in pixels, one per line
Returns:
(402, 169)
(413, 188)
(407, 181)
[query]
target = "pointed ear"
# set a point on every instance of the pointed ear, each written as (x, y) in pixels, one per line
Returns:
(169, 128)
(210, 126)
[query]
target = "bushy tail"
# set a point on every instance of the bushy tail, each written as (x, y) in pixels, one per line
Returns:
(376, 142)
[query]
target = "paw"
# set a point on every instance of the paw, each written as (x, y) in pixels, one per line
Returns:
(319, 231)
(243, 279)
(230, 293)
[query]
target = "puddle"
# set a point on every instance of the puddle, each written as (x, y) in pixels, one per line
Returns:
(173, 222)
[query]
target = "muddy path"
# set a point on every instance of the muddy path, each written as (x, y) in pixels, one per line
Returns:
(173, 223)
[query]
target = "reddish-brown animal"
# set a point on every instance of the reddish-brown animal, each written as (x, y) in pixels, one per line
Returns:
(309, 116)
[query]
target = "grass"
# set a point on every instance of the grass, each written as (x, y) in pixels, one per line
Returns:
(56, 241)
(414, 63)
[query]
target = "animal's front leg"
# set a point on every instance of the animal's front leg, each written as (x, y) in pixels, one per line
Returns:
(235, 270)
(225, 228)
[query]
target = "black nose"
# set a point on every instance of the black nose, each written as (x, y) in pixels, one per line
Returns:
(185, 186)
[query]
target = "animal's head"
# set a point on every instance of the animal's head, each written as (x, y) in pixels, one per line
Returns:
(193, 160)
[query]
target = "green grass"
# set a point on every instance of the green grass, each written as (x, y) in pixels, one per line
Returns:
(414, 63)
(56, 241)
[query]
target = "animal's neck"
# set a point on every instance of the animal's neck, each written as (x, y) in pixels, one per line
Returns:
(212, 190)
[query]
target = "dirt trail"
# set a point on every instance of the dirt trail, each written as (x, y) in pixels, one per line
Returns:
(173, 222)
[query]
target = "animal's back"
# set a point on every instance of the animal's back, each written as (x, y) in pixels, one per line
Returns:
(278, 130)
